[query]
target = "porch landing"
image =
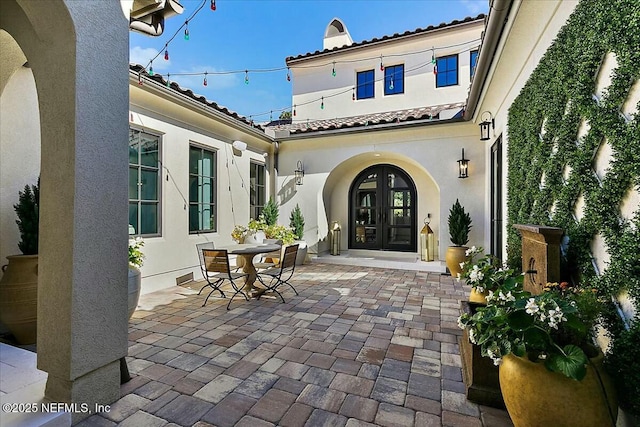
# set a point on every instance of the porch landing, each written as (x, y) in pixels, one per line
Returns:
(382, 259)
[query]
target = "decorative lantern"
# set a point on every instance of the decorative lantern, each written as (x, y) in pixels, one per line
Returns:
(299, 173)
(484, 126)
(427, 241)
(335, 238)
(463, 167)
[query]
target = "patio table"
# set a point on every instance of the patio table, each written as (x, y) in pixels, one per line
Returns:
(246, 252)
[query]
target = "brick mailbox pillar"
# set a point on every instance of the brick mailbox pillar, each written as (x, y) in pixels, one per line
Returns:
(540, 255)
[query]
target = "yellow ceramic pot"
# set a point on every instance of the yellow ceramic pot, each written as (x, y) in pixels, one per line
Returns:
(478, 297)
(537, 397)
(454, 256)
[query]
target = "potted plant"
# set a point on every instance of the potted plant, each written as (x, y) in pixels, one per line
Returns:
(483, 273)
(270, 212)
(550, 371)
(459, 227)
(296, 222)
(136, 260)
(19, 284)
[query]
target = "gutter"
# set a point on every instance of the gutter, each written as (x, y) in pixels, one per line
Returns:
(496, 20)
(161, 89)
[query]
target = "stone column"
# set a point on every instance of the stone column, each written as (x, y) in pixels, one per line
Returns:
(78, 51)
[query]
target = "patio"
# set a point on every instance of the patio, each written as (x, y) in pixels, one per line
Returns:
(359, 346)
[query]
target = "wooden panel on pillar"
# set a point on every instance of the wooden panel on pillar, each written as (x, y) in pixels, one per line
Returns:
(540, 255)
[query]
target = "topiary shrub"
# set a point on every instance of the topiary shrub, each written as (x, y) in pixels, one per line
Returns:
(459, 224)
(296, 222)
(270, 212)
(27, 209)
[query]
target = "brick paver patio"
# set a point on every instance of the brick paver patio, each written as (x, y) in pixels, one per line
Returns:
(358, 347)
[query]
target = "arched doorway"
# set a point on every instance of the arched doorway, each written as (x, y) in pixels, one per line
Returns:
(382, 210)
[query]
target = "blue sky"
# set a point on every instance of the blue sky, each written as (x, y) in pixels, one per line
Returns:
(260, 34)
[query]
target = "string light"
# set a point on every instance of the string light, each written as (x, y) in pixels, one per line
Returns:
(381, 64)
(288, 75)
(140, 83)
(168, 80)
(322, 104)
(204, 82)
(271, 116)
(246, 77)
(151, 70)
(294, 110)
(333, 72)
(186, 30)
(353, 94)
(213, 4)
(166, 54)
(433, 55)
(391, 84)
(435, 70)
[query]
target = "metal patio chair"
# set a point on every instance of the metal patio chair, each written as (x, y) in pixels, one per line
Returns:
(267, 260)
(278, 276)
(216, 264)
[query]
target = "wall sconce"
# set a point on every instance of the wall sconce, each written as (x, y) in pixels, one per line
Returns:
(463, 167)
(299, 173)
(484, 126)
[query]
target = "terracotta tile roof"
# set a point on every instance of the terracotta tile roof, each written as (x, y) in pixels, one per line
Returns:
(139, 69)
(391, 37)
(388, 117)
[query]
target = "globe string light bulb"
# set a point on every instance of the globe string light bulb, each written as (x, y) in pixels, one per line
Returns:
(166, 54)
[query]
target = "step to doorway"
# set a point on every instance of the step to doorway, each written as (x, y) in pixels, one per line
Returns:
(381, 259)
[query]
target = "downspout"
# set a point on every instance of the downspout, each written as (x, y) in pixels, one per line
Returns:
(498, 13)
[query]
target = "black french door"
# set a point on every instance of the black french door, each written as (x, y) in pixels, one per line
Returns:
(382, 212)
(496, 199)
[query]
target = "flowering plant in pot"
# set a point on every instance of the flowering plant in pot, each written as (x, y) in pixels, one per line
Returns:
(136, 260)
(483, 273)
(545, 341)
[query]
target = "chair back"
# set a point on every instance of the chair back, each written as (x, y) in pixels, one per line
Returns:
(199, 248)
(289, 258)
(216, 261)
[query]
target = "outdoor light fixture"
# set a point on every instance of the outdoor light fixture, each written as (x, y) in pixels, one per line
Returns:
(299, 173)
(463, 167)
(484, 126)
(239, 145)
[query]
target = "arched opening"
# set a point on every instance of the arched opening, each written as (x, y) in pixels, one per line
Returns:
(382, 210)
(335, 28)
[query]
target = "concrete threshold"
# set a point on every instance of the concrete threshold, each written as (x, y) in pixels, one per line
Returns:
(381, 259)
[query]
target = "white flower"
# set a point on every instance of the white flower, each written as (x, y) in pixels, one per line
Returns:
(476, 275)
(542, 356)
(490, 296)
(472, 336)
(497, 361)
(532, 307)
(472, 250)
(479, 289)
(462, 265)
(509, 297)
(458, 277)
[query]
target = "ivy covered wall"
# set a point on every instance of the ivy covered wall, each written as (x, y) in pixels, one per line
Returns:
(574, 163)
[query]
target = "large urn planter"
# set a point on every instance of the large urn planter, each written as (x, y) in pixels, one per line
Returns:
(19, 297)
(301, 256)
(537, 397)
(135, 280)
(454, 256)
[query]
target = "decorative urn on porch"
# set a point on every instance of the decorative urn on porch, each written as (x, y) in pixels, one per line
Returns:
(19, 283)
(459, 227)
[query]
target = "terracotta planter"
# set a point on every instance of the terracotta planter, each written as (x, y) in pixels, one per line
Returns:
(19, 297)
(536, 397)
(454, 256)
(135, 279)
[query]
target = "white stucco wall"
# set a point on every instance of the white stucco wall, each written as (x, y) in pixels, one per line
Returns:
(19, 152)
(428, 154)
(312, 78)
(530, 30)
(173, 254)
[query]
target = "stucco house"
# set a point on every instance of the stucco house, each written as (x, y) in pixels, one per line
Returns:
(378, 127)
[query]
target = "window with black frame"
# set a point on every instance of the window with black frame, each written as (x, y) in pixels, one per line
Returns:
(144, 183)
(202, 190)
(257, 191)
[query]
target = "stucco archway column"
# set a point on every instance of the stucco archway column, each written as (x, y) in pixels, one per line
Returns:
(79, 58)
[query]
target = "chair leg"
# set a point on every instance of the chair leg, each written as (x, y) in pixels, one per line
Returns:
(238, 291)
(271, 287)
(291, 286)
(216, 287)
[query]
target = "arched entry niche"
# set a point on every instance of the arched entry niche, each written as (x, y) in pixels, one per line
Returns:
(336, 202)
(382, 210)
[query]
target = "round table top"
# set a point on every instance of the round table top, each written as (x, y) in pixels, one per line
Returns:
(251, 248)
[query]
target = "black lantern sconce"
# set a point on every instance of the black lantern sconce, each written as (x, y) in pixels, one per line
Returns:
(484, 126)
(299, 173)
(463, 167)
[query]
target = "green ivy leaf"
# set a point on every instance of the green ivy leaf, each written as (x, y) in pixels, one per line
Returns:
(572, 363)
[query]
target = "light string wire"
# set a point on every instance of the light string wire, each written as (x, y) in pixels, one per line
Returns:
(186, 23)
